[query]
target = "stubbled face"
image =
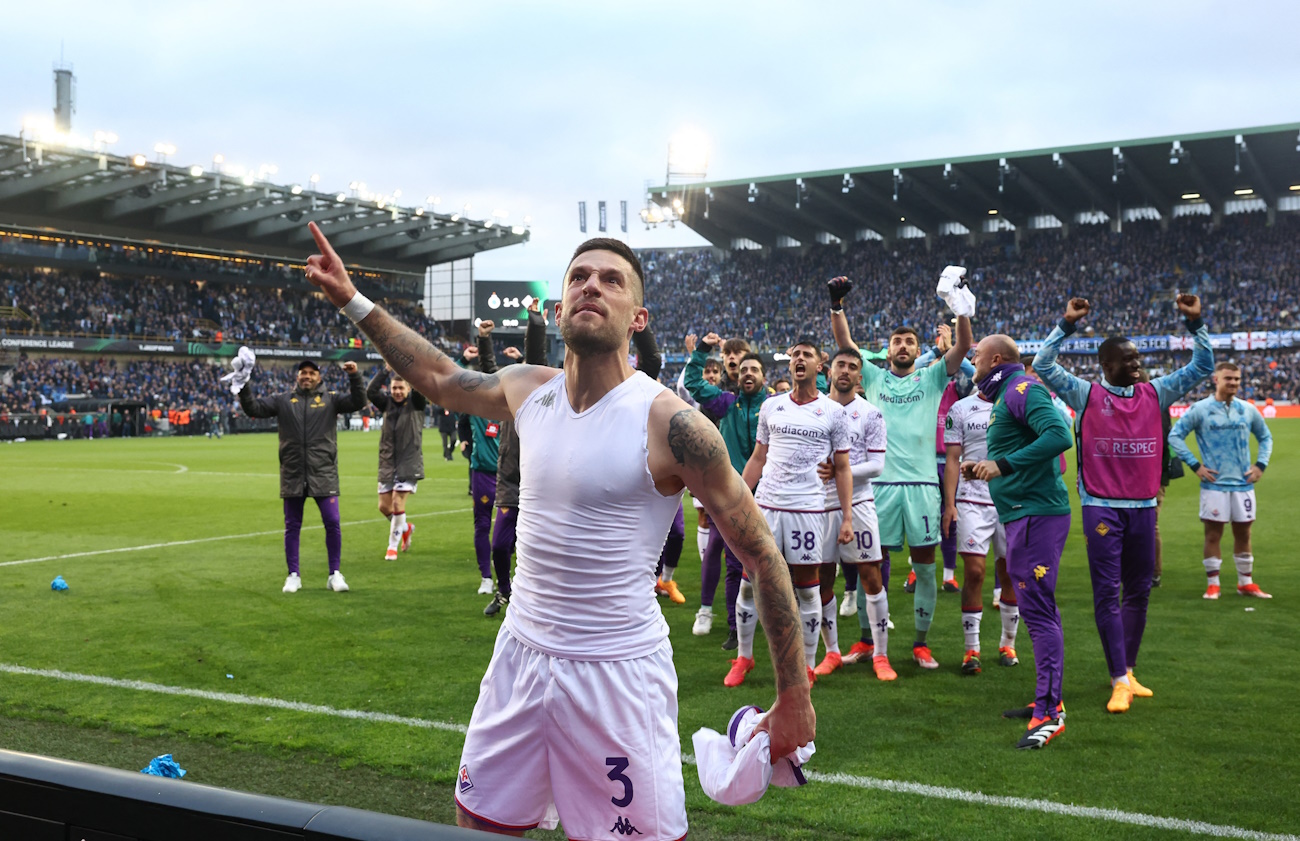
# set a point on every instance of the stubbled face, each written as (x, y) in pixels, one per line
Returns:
(984, 360)
(1123, 367)
(713, 374)
(782, 386)
(399, 390)
(803, 365)
(308, 378)
(599, 309)
(846, 374)
(1226, 383)
(903, 350)
(751, 378)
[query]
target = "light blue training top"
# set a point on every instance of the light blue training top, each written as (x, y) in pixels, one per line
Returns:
(1223, 433)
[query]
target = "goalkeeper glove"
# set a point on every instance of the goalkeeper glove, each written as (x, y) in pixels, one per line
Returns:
(838, 287)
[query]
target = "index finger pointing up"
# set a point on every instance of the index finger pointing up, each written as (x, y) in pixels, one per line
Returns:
(321, 242)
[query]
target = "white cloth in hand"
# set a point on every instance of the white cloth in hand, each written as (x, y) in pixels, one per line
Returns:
(954, 291)
(736, 769)
(242, 366)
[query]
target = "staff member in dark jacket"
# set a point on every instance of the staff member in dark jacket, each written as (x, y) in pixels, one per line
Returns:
(446, 420)
(308, 421)
(401, 453)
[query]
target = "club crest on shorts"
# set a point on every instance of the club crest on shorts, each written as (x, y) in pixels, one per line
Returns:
(465, 783)
(1102, 529)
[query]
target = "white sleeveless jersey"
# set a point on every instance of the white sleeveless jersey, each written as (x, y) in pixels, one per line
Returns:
(968, 425)
(798, 438)
(866, 436)
(591, 525)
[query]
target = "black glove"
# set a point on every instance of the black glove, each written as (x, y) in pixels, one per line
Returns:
(838, 287)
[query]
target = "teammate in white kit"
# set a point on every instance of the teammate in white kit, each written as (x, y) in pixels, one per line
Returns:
(796, 432)
(577, 715)
(969, 507)
(867, 443)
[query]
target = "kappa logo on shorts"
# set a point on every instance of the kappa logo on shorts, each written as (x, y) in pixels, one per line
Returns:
(465, 784)
(623, 826)
(1102, 529)
(1039, 572)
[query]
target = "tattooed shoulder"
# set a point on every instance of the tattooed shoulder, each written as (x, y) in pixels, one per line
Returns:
(693, 440)
(474, 380)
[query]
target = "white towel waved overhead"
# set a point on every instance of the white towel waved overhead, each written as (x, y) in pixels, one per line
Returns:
(242, 366)
(955, 292)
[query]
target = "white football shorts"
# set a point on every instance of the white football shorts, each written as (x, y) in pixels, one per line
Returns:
(977, 527)
(865, 547)
(1228, 506)
(798, 534)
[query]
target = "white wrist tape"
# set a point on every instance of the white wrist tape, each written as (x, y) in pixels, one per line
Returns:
(358, 308)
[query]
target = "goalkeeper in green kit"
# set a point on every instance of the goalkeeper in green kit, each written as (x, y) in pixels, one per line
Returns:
(907, 493)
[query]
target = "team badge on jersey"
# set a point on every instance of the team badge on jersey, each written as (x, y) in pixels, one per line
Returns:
(465, 784)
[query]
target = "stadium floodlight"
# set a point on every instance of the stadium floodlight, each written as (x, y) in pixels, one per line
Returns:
(1176, 153)
(249, 178)
(902, 219)
(993, 211)
(1295, 186)
(455, 217)
(688, 156)
(1190, 196)
(196, 171)
(296, 189)
(397, 194)
(419, 211)
(340, 198)
(218, 159)
(847, 184)
(752, 193)
(139, 160)
(1058, 160)
(315, 178)
(489, 223)
(1245, 191)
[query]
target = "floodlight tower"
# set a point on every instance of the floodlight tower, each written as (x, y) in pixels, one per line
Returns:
(688, 161)
(65, 97)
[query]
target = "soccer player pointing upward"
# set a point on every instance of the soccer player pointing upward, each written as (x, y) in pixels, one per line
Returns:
(577, 714)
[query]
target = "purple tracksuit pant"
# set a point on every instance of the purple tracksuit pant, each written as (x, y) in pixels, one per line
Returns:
(1034, 546)
(329, 514)
(483, 487)
(1121, 556)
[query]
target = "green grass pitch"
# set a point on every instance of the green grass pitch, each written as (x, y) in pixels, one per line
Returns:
(1219, 742)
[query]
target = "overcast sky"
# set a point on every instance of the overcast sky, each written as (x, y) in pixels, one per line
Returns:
(530, 108)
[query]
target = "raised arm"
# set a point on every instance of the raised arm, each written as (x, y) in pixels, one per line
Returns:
(427, 369)
(256, 407)
(535, 336)
(1173, 386)
(648, 359)
(961, 343)
(355, 400)
(696, 455)
(838, 287)
(1071, 389)
(487, 353)
(375, 391)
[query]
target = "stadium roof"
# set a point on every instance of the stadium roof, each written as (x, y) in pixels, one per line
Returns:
(91, 193)
(1024, 188)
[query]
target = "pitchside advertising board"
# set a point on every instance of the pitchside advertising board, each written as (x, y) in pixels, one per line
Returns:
(506, 302)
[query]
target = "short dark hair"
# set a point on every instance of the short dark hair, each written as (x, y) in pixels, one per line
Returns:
(849, 352)
(898, 331)
(756, 358)
(1226, 366)
(712, 362)
(621, 249)
(809, 343)
(1109, 348)
(735, 346)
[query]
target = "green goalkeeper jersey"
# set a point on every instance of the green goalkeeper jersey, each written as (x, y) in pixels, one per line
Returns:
(910, 405)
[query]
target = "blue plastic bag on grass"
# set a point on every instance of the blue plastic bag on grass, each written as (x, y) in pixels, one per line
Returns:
(164, 766)
(58, 583)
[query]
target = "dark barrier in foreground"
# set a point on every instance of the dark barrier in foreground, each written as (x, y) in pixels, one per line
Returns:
(43, 799)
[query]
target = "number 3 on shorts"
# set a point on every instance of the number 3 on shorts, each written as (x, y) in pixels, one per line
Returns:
(619, 765)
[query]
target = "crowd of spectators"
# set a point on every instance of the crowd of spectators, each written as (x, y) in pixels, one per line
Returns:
(92, 304)
(1243, 269)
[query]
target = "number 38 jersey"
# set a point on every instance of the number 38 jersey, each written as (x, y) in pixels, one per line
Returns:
(798, 438)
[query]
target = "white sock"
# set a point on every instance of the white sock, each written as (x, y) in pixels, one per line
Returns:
(949, 574)
(997, 594)
(970, 625)
(746, 619)
(830, 631)
(1212, 569)
(702, 540)
(810, 615)
(668, 573)
(1245, 566)
(878, 613)
(1010, 624)
(1123, 679)
(395, 529)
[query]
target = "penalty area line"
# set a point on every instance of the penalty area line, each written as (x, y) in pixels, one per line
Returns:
(893, 786)
(213, 539)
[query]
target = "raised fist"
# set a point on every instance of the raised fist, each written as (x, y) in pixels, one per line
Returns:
(838, 287)
(1076, 309)
(350, 367)
(712, 340)
(513, 352)
(470, 354)
(486, 326)
(1189, 306)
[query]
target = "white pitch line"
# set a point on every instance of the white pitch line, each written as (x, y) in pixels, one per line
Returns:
(232, 698)
(212, 539)
(894, 786)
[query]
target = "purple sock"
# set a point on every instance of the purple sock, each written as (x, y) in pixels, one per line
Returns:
(884, 569)
(710, 568)
(734, 572)
(329, 515)
(292, 526)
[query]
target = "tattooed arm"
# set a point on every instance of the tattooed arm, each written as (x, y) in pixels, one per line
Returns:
(429, 371)
(686, 449)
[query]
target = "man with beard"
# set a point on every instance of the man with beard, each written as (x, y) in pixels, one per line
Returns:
(1025, 436)
(401, 453)
(907, 492)
(867, 445)
(795, 433)
(737, 414)
(307, 418)
(1121, 455)
(578, 709)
